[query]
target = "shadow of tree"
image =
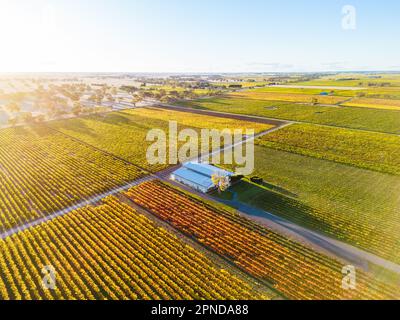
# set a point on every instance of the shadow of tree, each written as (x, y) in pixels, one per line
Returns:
(257, 201)
(279, 189)
(77, 125)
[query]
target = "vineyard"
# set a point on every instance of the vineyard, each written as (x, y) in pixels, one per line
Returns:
(290, 97)
(124, 133)
(388, 104)
(356, 80)
(312, 91)
(294, 270)
(391, 94)
(42, 171)
(111, 252)
(380, 120)
(368, 150)
(354, 205)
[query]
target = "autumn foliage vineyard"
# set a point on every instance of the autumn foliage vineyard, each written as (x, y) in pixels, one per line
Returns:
(157, 242)
(291, 97)
(42, 171)
(369, 150)
(296, 271)
(111, 252)
(124, 133)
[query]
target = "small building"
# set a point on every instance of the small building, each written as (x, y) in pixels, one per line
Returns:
(198, 176)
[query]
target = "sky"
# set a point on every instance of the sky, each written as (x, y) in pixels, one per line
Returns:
(199, 36)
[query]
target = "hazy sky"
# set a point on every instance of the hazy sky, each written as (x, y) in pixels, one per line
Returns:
(197, 35)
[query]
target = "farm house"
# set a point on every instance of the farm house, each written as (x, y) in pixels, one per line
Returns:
(198, 175)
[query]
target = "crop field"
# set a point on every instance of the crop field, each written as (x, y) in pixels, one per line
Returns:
(357, 206)
(329, 178)
(384, 92)
(354, 80)
(387, 104)
(124, 133)
(294, 270)
(42, 171)
(289, 97)
(202, 157)
(111, 252)
(379, 120)
(370, 92)
(244, 84)
(168, 89)
(307, 91)
(370, 150)
(332, 82)
(197, 121)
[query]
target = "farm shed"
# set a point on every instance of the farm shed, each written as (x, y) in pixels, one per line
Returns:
(198, 175)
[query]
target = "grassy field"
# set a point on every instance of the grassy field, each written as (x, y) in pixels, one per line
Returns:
(124, 133)
(289, 97)
(354, 80)
(244, 84)
(385, 92)
(370, 150)
(356, 118)
(354, 205)
(392, 93)
(368, 98)
(307, 91)
(388, 104)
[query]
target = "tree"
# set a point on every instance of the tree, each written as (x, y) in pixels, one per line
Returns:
(77, 109)
(191, 94)
(147, 94)
(51, 107)
(90, 110)
(75, 96)
(40, 118)
(12, 121)
(63, 103)
(221, 181)
(174, 93)
(136, 99)
(37, 106)
(167, 99)
(59, 112)
(110, 98)
(93, 98)
(13, 107)
(26, 117)
(99, 99)
(314, 101)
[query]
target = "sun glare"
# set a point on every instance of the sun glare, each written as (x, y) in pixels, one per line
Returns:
(29, 36)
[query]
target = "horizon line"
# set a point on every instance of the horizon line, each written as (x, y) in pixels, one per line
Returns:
(199, 72)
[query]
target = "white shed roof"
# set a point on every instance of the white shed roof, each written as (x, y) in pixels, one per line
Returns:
(199, 174)
(194, 177)
(206, 169)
